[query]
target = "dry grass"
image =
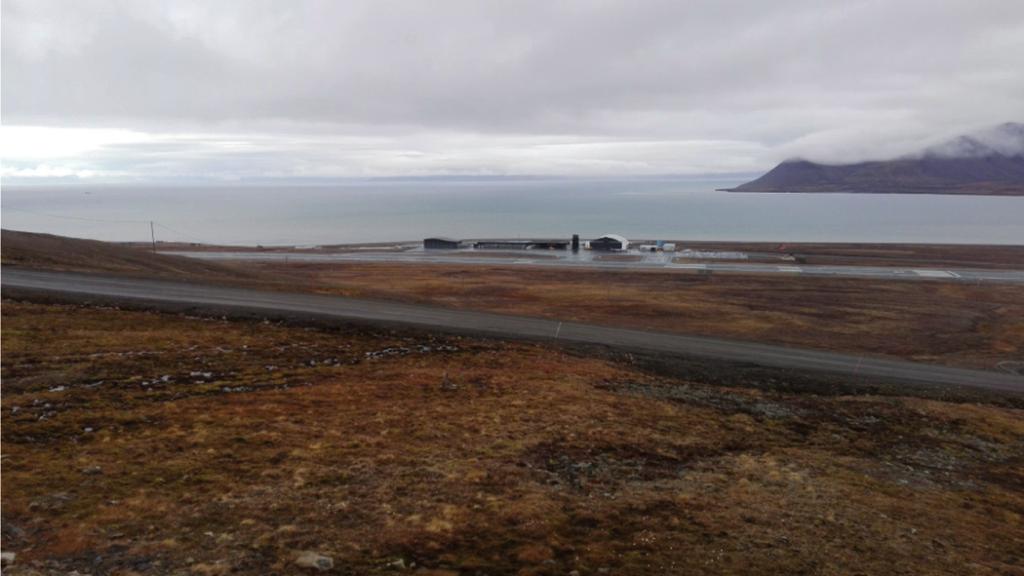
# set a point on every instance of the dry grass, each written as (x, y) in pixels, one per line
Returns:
(937, 322)
(902, 255)
(47, 251)
(264, 440)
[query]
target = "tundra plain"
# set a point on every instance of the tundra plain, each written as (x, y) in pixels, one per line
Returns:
(150, 443)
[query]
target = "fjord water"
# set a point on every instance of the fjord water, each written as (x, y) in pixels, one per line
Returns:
(384, 210)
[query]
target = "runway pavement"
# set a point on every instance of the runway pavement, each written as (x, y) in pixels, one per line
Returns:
(390, 313)
(657, 261)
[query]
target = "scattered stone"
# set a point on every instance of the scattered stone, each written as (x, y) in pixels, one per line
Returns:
(402, 351)
(58, 389)
(7, 558)
(398, 564)
(310, 559)
(92, 470)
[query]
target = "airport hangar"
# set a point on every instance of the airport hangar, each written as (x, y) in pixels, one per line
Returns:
(608, 242)
(441, 243)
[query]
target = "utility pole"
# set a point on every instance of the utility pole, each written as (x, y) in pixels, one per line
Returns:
(152, 236)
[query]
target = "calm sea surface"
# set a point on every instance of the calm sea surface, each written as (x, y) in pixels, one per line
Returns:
(682, 209)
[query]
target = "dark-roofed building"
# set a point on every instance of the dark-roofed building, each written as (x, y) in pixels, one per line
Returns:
(521, 245)
(502, 245)
(609, 242)
(441, 243)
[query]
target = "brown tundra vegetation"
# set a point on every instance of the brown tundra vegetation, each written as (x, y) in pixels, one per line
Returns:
(145, 443)
(978, 326)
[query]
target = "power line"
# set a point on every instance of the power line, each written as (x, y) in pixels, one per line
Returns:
(187, 235)
(152, 223)
(103, 220)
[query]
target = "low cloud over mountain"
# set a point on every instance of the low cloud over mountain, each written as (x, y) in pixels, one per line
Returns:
(988, 162)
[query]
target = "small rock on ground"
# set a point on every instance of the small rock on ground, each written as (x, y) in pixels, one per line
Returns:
(310, 559)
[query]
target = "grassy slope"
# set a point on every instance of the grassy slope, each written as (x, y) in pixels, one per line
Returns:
(147, 443)
(32, 250)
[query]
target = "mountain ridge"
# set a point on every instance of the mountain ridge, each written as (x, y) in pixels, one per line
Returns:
(988, 162)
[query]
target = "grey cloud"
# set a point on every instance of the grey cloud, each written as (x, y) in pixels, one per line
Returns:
(831, 81)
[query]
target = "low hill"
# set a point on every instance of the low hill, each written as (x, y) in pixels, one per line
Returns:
(986, 163)
(48, 251)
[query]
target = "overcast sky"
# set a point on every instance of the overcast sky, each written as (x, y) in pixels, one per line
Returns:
(160, 89)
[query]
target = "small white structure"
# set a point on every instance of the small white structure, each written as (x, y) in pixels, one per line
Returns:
(669, 246)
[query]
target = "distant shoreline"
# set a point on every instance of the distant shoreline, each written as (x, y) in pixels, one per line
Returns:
(890, 193)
